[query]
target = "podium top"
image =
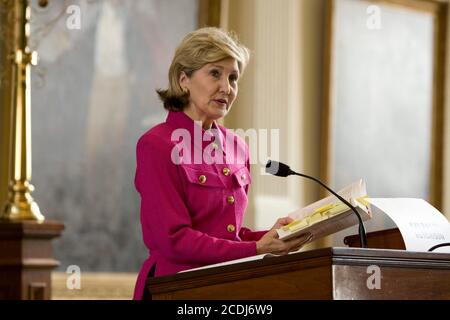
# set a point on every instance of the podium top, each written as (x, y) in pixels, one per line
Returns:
(324, 257)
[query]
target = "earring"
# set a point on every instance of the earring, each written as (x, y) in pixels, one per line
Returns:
(185, 90)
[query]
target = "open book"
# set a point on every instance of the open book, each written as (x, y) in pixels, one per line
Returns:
(329, 215)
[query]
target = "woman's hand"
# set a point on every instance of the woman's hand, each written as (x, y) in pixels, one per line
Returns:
(270, 243)
(282, 222)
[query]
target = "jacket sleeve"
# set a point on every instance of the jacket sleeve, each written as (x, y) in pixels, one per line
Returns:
(247, 234)
(164, 217)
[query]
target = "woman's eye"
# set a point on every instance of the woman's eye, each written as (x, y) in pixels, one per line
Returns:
(233, 78)
(215, 73)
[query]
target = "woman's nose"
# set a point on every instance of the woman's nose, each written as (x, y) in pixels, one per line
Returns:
(225, 86)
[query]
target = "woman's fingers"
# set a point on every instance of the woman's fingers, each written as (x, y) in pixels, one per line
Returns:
(282, 222)
(285, 220)
(282, 247)
(297, 243)
(303, 243)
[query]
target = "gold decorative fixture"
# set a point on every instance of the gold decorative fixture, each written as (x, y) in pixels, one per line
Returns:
(20, 204)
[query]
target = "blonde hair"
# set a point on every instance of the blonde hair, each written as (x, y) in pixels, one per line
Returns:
(198, 48)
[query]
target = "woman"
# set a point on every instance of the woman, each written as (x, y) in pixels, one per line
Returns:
(194, 190)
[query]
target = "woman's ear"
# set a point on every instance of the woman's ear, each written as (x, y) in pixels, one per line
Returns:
(183, 80)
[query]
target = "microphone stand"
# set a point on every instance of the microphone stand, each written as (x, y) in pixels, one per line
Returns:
(362, 229)
(288, 171)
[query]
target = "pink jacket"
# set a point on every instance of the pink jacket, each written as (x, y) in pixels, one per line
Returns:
(192, 214)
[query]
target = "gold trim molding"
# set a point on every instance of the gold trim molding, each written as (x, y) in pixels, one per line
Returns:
(20, 204)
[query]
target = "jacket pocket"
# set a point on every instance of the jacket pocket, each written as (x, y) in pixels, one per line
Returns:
(203, 178)
(204, 194)
(242, 176)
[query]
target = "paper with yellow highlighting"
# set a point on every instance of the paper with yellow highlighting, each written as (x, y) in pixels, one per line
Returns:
(329, 215)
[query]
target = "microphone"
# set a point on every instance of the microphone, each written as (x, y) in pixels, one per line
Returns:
(280, 169)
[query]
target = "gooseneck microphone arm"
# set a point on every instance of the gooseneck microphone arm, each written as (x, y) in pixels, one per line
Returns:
(446, 244)
(283, 170)
(362, 229)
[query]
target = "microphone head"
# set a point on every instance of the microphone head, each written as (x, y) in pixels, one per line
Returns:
(278, 169)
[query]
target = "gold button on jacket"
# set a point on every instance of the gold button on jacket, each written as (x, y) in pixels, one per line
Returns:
(230, 199)
(202, 179)
(226, 171)
(230, 228)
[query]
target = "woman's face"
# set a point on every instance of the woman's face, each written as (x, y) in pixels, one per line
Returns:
(212, 90)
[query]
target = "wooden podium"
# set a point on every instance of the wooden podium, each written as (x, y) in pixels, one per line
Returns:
(328, 273)
(26, 259)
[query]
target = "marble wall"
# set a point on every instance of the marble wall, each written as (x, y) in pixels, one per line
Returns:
(93, 95)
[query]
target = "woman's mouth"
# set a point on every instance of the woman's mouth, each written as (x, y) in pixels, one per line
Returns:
(221, 102)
